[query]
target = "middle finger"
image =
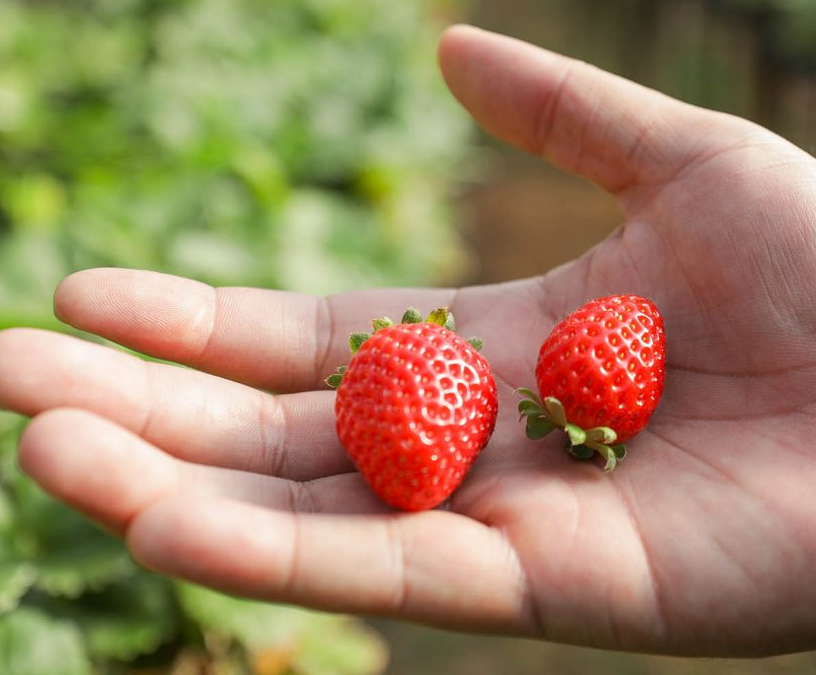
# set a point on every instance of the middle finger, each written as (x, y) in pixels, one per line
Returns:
(194, 416)
(111, 474)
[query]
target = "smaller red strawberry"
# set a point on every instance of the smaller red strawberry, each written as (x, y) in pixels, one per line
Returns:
(415, 406)
(600, 376)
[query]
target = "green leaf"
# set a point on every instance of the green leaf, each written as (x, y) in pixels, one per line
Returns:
(256, 625)
(15, 580)
(127, 619)
(16, 575)
(556, 410)
(319, 643)
(343, 647)
(334, 380)
(476, 343)
(35, 201)
(45, 544)
(11, 425)
(32, 643)
(383, 322)
(603, 435)
(529, 408)
(607, 453)
(620, 451)
(439, 316)
(82, 566)
(411, 315)
(582, 452)
(530, 394)
(69, 554)
(611, 459)
(577, 435)
(356, 340)
(538, 427)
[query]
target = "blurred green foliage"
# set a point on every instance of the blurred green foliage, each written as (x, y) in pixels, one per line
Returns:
(302, 144)
(298, 144)
(789, 27)
(73, 603)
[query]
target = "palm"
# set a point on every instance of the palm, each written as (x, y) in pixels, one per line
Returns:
(699, 543)
(705, 534)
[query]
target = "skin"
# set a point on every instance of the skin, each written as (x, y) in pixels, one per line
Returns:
(701, 543)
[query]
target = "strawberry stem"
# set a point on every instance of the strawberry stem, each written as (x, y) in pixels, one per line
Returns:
(545, 415)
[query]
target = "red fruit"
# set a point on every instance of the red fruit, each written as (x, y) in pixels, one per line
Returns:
(600, 376)
(415, 406)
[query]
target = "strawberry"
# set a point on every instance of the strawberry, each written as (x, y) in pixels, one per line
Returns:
(414, 407)
(600, 376)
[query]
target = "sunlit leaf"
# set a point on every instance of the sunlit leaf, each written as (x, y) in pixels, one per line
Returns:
(343, 647)
(16, 577)
(125, 619)
(69, 553)
(316, 643)
(32, 643)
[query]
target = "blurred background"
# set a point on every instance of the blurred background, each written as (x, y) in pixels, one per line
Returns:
(306, 145)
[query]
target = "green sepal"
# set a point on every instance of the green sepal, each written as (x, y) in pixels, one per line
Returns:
(356, 340)
(529, 394)
(612, 454)
(411, 315)
(556, 410)
(577, 435)
(528, 408)
(545, 415)
(611, 458)
(335, 379)
(476, 343)
(580, 451)
(439, 316)
(538, 427)
(382, 322)
(603, 435)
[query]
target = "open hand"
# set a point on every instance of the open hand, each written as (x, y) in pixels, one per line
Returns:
(702, 542)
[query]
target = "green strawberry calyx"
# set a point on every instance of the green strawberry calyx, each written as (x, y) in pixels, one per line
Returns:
(441, 316)
(545, 415)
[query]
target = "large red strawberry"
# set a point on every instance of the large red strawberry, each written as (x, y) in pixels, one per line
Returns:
(600, 376)
(414, 407)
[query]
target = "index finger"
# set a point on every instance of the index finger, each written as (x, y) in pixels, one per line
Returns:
(276, 340)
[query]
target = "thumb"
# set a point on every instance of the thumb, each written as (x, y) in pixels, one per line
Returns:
(610, 130)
